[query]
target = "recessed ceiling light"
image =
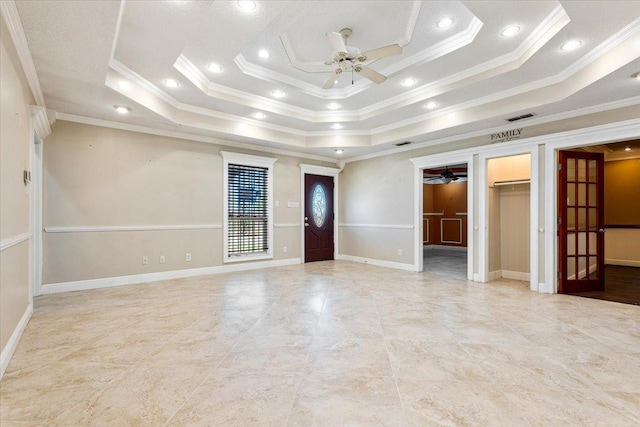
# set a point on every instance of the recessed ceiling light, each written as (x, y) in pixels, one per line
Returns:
(246, 5)
(511, 30)
(278, 93)
(636, 75)
(120, 109)
(430, 105)
(339, 150)
(410, 81)
(214, 68)
(333, 106)
(171, 83)
(336, 126)
(571, 45)
(263, 53)
(627, 149)
(259, 115)
(445, 23)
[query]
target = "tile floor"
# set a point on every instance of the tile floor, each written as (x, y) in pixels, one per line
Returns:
(332, 343)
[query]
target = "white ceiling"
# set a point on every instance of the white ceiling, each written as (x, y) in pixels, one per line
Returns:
(92, 55)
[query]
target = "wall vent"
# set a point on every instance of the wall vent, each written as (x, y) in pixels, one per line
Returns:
(400, 144)
(524, 116)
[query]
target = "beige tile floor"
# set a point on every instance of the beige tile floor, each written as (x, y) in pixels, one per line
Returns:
(332, 343)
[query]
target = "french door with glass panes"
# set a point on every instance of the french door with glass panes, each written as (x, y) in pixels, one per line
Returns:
(581, 222)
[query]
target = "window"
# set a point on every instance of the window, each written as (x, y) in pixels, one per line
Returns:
(248, 221)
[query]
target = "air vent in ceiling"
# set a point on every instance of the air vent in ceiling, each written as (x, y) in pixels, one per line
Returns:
(524, 116)
(400, 144)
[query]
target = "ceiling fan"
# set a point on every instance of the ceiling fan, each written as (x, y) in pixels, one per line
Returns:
(349, 58)
(446, 176)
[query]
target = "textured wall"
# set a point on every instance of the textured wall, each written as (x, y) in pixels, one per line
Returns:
(96, 177)
(15, 146)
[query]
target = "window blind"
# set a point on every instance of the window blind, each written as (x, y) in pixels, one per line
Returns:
(247, 210)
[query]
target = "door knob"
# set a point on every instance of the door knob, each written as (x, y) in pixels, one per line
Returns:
(306, 218)
(306, 224)
(602, 231)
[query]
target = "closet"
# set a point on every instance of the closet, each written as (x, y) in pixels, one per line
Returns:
(509, 196)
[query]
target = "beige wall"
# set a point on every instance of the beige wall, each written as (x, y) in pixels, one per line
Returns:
(622, 192)
(377, 192)
(514, 228)
(15, 145)
(622, 207)
(96, 177)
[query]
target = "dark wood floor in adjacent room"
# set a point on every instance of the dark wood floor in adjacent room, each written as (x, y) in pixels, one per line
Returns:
(622, 284)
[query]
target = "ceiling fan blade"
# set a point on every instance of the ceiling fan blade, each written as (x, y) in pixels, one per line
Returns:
(381, 52)
(332, 80)
(337, 42)
(374, 76)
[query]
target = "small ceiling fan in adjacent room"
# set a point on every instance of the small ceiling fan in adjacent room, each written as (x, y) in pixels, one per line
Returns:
(445, 176)
(350, 59)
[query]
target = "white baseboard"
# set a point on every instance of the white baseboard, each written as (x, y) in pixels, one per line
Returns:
(12, 344)
(378, 262)
(544, 289)
(107, 282)
(516, 275)
(493, 275)
(622, 262)
(446, 248)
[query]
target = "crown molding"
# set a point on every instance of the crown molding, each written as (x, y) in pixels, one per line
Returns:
(628, 102)
(12, 19)
(40, 121)
(190, 137)
(630, 30)
(548, 28)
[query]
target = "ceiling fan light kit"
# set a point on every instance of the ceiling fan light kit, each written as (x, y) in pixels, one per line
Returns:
(350, 59)
(447, 176)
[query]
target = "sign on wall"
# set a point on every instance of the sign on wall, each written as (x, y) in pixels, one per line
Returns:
(505, 136)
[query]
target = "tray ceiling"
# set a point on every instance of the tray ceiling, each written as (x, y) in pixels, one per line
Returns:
(92, 56)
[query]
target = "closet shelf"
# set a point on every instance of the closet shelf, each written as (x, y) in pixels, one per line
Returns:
(518, 182)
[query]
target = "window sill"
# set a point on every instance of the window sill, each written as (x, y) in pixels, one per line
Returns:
(242, 258)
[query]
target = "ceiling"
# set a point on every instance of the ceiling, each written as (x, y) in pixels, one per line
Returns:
(91, 56)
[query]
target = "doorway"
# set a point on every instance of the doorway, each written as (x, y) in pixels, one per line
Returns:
(445, 225)
(509, 217)
(613, 273)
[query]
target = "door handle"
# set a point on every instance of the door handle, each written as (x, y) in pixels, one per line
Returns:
(306, 218)
(306, 224)
(602, 231)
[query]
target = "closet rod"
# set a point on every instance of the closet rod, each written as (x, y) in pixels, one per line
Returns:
(502, 183)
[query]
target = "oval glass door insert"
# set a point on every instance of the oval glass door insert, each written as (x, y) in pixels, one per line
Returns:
(319, 205)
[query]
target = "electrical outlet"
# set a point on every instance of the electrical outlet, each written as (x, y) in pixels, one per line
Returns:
(187, 257)
(145, 260)
(399, 252)
(285, 249)
(162, 259)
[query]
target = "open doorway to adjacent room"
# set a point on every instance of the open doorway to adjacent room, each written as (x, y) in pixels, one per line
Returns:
(445, 220)
(508, 217)
(621, 225)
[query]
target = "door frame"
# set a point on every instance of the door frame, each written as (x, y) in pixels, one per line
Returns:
(306, 169)
(603, 134)
(483, 221)
(434, 161)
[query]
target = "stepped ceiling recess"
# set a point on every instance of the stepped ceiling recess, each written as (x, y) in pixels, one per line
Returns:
(218, 72)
